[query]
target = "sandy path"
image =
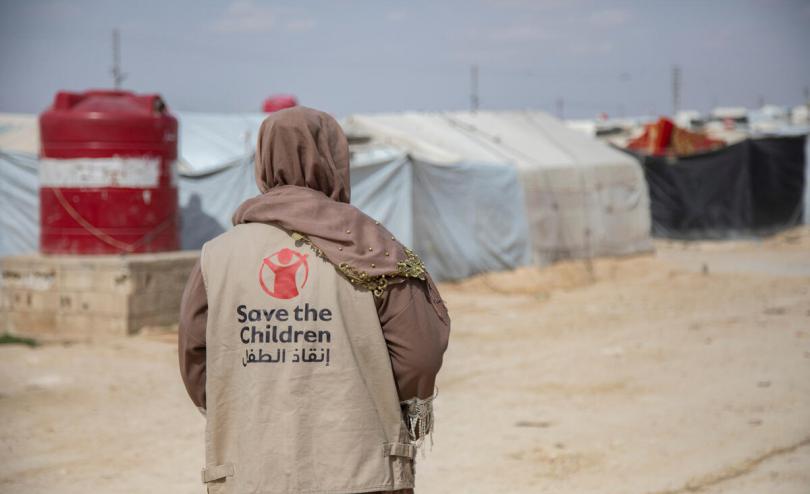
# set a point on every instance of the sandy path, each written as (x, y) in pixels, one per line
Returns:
(648, 376)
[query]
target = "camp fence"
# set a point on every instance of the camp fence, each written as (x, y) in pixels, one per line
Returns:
(754, 187)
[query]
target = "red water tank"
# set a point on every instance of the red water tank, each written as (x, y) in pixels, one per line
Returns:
(107, 174)
(279, 102)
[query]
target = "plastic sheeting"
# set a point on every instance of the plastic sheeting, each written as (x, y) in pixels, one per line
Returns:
(207, 202)
(756, 186)
(469, 218)
(382, 186)
(19, 203)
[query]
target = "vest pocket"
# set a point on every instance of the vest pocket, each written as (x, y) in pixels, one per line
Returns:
(401, 456)
(399, 449)
(214, 477)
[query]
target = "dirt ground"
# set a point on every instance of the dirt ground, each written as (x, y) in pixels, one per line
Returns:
(687, 370)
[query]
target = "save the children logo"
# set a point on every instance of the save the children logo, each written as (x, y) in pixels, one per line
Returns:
(281, 274)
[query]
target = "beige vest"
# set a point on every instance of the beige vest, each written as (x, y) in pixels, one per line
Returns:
(299, 389)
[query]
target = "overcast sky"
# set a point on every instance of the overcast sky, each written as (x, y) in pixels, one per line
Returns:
(348, 56)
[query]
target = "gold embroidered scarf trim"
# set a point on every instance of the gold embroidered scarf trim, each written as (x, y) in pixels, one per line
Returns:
(410, 267)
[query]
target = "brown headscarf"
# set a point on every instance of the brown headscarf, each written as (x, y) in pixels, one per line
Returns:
(304, 147)
(302, 170)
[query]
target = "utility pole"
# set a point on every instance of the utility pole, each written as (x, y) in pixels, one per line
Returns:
(118, 75)
(474, 88)
(676, 89)
(560, 104)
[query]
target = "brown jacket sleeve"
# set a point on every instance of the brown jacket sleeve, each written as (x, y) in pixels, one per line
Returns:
(415, 334)
(191, 336)
(416, 337)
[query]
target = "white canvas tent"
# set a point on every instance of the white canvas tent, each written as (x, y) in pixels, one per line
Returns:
(582, 197)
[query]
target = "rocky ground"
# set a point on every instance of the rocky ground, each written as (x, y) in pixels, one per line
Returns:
(687, 370)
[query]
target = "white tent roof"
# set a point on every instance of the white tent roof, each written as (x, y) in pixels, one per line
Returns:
(528, 139)
(213, 141)
(19, 133)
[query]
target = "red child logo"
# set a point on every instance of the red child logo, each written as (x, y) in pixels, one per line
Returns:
(282, 270)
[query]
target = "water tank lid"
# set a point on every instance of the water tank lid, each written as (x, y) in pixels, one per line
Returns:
(108, 101)
(103, 115)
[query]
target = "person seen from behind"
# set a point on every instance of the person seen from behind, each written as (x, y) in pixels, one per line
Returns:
(309, 336)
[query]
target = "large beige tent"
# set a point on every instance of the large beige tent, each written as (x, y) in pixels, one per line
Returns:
(583, 198)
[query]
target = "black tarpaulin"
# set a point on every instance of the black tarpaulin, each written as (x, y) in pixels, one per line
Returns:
(750, 188)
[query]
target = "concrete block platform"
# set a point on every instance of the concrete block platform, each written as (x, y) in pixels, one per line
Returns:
(70, 297)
